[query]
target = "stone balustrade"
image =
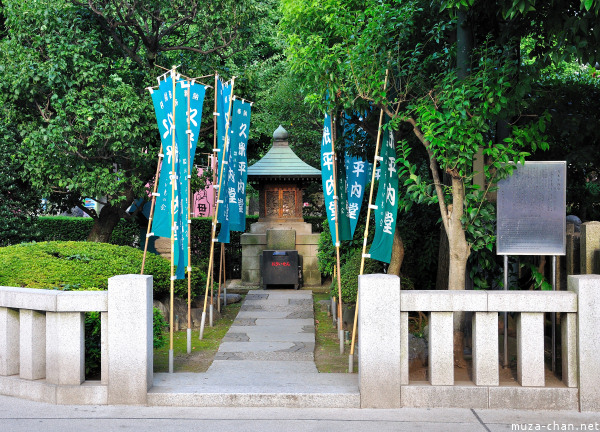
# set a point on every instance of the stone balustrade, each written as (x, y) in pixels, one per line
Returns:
(42, 343)
(384, 351)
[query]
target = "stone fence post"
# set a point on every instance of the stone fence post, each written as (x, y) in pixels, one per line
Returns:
(590, 248)
(587, 288)
(379, 363)
(130, 339)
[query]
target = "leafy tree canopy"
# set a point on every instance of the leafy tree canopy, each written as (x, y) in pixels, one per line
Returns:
(76, 114)
(79, 125)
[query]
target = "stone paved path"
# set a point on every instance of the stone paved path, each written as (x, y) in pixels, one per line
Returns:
(265, 359)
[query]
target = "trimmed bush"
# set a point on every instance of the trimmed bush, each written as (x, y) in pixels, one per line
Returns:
(68, 228)
(350, 272)
(93, 340)
(83, 265)
(129, 233)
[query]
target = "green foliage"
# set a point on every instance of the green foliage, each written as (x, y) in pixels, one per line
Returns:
(349, 48)
(560, 29)
(350, 272)
(420, 232)
(85, 266)
(158, 325)
(127, 233)
(92, 344)
(574, 135)
(74, 115)
(326, 253)
(93, 339)
(19, 202)
(68, 228)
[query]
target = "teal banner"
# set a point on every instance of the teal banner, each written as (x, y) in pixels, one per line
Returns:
(163, 107)
(238, 173)
(386, 202)
(344, 222)
(223, 110)
(171, 210)
(327, 177)
(356, 171)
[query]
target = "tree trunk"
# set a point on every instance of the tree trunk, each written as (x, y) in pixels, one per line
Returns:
(459, 254)
(104, 225)
(397, 254)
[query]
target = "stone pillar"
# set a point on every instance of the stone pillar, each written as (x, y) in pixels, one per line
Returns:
(404, 349)
(379, 369)
(281, 239)
(530, 349)
(441, 348)
(130, 353)
(252, 247)
(568, 328)
(590, 248)
(587, 288)
(9, 341)
(485, 349)
(308, 246)
(65, 348)
(573, 253)
(104, 347)
(32, 344)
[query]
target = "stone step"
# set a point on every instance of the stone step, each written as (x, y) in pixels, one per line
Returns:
(255, 367)
(256, 399)
(252, 387)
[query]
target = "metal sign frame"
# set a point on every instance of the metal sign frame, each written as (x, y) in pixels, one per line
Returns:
(540, 208)
(531, 210)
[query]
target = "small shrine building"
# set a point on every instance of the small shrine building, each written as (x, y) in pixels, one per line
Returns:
(280, 178)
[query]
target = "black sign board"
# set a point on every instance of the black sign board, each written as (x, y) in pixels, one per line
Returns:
(280, 268)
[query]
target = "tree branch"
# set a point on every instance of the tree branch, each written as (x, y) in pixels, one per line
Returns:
(435, 172)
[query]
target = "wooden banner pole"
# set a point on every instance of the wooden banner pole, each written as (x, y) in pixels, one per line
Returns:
(189, 224)
(221, 266)
(214, 223)
(154, 189)
(366, 235)
(173, 180)
(211, 275)
(337, 235)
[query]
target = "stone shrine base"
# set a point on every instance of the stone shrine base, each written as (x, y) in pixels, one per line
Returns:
(280, 236)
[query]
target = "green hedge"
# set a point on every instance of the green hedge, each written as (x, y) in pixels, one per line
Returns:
(129, 233)
(68, 228)
(84, 266)
(350, 272)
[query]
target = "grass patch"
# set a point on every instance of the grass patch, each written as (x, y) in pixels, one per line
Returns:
(327, 345)
(203, 351)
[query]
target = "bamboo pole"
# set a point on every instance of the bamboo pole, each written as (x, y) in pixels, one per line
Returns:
(186, 77)
(189, 222)
(211, 274)
(214, 223)
(366, 234)
(337, 235)
(173, 180)
(224, 280)
(221, 266)
(149, 229)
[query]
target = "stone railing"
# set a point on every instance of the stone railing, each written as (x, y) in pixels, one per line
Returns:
(42, 340)
(384, 352)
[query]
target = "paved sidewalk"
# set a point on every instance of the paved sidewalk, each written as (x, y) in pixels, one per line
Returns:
(266, 359)
(17, 415)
